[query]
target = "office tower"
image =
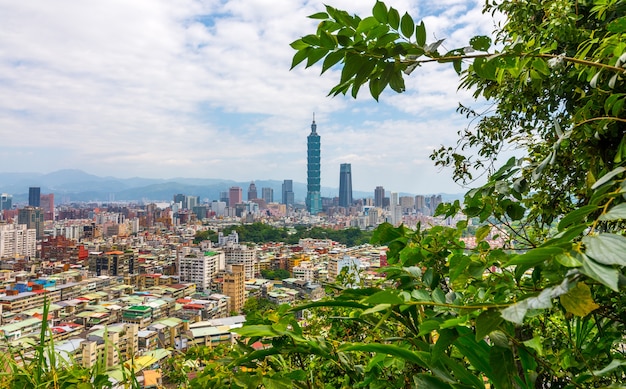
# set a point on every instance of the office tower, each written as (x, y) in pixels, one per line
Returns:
(252, 195)
(395, 212)
(224, 197)
(267, 194)
(288, 197)
(407, 203)
(420, 203)
(34, 196)
(313, 196)
(180, 199)
(379, 196)
(32, 217)
(234, 196)
(6, 201)
(47, 206)
(345, 185)
(434, 203)
(234, 287)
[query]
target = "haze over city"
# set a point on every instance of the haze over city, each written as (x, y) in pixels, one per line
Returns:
(203, 89)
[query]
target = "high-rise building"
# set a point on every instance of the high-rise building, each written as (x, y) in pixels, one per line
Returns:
(345, 185)
(267, 194)
(313, 195)
(252, 194)
(224, 197)
(234, 196)
(6, 201)
(17, 241)
(234, 286)
(288, 197)
(47, 206)
(420, 204)
(240, 254)
(379, 196)
(395, 211)
(34, 193)
(434, 203)
(200, 268)
(32, 217)
(180, 199)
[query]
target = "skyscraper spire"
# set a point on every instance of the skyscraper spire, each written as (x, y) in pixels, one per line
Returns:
(313, 125)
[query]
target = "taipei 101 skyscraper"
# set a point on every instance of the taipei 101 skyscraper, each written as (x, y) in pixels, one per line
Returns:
(313, 196)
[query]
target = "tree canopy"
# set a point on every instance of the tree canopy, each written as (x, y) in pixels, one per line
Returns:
(544, 309)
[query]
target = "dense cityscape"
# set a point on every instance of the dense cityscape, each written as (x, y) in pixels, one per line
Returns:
(135, 281)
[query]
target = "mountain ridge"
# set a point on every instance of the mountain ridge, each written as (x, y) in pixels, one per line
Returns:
(75, 185)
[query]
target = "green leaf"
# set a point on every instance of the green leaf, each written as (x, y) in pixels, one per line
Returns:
(482, 232)
(486, 322)
(576, 216)
(515, 211)
(426, 381)
(367, 24)
(315, 55)
(300, 56)
(605, 178)
(380, 12)
(273, 382)
(480, 43)
(332, 59)
(614, 364)
(608, 249)
(393, 17)
(377, 308)
(535, 256)
(319, 15)
(387, 296)
(503, 367)
(578, 300)
(476, 352)
(407, 26)
(389, 349)
(618, 25)
(606, 275)
(327, 41)
(420, 34)
(257, 330)
(568, 260)
(421, 295)
(616, 213)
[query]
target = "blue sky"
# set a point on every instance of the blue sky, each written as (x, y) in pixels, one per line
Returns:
(202, 88)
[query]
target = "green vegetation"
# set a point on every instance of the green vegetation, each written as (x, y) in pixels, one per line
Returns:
(264, 233)
(544, 310)
(278, 274)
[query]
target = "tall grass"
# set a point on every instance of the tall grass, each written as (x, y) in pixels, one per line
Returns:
(44, 368)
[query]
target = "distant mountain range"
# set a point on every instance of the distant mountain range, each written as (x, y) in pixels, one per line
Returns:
(76, 185)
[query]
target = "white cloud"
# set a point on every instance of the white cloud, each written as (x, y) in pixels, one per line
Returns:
(202, 88)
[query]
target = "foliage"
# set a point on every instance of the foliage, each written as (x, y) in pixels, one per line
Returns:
(278, 274)
(543, 307)
(263, 233)
(44, 367)
(205, 235)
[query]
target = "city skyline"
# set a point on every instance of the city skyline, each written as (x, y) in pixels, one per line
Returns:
(203, 89)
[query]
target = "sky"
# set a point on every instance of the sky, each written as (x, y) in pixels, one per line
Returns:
(202, 89)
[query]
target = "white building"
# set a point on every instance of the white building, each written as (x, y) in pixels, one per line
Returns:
(17, 241)
(195, 266)
(239, 254)
(306, 271)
